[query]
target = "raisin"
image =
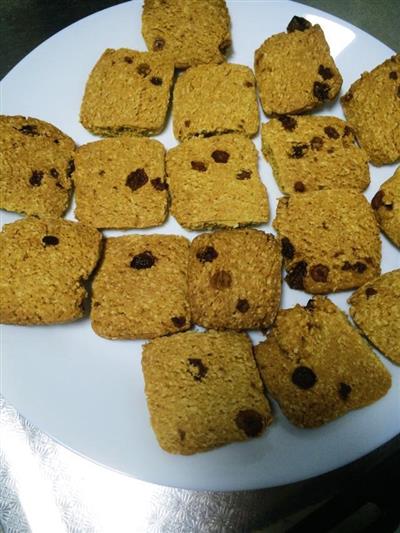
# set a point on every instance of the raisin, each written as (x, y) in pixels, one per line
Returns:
(158, 44)
(224, 46)
(344, 391)
(325, 72)
(295, 278)
(370, 291)
(70, 168)
(347, 131)
(187, 123)
(159, 184)
(310, 306)
(54, 173)
(36, 178)
(289, 123)
(248, 84)
(128, 59)
(207, 254)
(347, 97)
(199, 166)
(50, 240)
(220, 156)
(319, 273)
(303, 377)
(178, 321)
(56, 141)
(321, 91)
(287, 248)
(182, 434)
(316, 143)
(299, 24)
(251, 422)
(393, 75)
(29, 129)
(221, 280)
(242, 305)
(331, 132)
(144, 260)
(346, 266)
(299, 186)
(360, 267)
(298, 150)
(243, 175)
(143, 69)
(197, 369)
(376, 201)
(136, 179)
(156, 80)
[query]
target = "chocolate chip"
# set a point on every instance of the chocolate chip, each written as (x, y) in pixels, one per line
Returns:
(370, 291)
(158, 44)
(287, 248)
(299, 24)
(250, 421)
(159, 184)
(243, 175)
(319, 273)
(316, 143)
(156, 81)
(298, 150)
(331, 132)
(199, 166)
(70, 168)
(144, 260)
(295, 278)
(29, 129)
(182, 434)
(220, 156)
(325, 72)
(36, 178)
(347, 131)
(289, 123)
(242, 305)
(321, 91)
(197, 369)
(187, 123)
(136, 179)
(224, 46)
(178, 321)
(344, 391)
(359, 267)
(221, 280)
(310, 306)
(299, 186)
(143, 69)
(393, 75)
(207, 254)
(56, 141)
(303, 377)
(347, 266)
(102, 172)
(248, 84)
(50, 240)
(377, 200)
(128, 59)
(54, 173)
(347, 97)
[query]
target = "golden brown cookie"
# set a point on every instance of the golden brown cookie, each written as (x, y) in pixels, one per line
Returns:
(386, 204)
(203, 390)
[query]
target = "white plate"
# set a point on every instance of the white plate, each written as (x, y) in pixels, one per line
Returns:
(87, 392)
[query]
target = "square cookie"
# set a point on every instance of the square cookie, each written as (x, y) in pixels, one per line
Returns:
(330, 240)
(191, 31)
(127, 92)
(203, 390)
(140, 290)
(215, 182)
(313, 381)
(214, 99)
(44, 266)
(386, 204)
(234, 279)
(372, 108)
(375, 308)
(295, 71)
(36, 165)
(120, 183)
(311, 153)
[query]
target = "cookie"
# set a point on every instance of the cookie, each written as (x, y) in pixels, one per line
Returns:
(317, 366)
(190, 31)
(215, 183)
(330, 240)
(36, 165)
(120, 183)
(127, 92)
(295, 71)
(372, 108)
(234, 279)
(44, 266)
(215, 99)
(311, 153)
(203, 390)
(386, 205)
(375, 308)
(140, 290)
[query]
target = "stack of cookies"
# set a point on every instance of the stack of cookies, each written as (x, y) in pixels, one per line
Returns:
(208, 388)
